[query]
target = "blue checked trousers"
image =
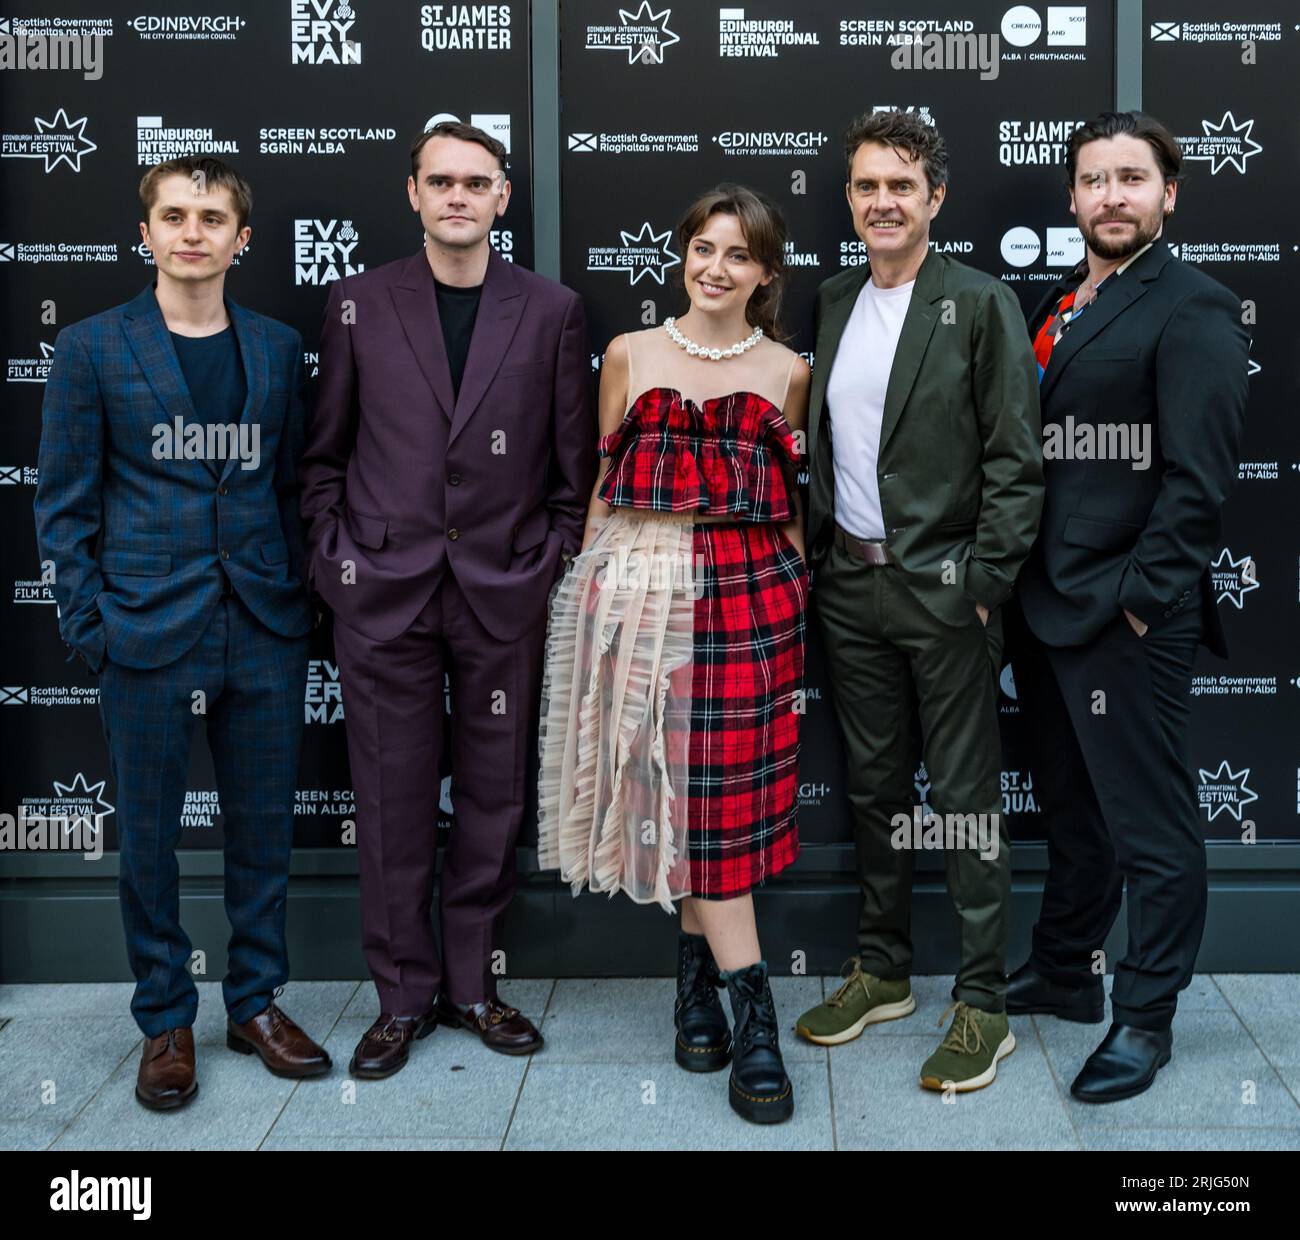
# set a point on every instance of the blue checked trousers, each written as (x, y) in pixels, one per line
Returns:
(253, 681)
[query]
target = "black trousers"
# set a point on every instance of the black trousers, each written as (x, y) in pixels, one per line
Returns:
(1107, 725)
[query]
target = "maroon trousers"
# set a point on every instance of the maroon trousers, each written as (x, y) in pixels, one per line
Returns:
(393, 705)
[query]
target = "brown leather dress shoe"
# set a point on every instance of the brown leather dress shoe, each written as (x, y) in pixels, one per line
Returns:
(385, 1047)
(282, 1046)
(501, 1028)
(166, 1078)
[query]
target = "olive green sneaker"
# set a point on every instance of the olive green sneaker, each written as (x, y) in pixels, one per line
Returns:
(968, 1056)
(862, 1000)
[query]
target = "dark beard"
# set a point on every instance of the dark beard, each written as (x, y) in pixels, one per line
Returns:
(1144, 231)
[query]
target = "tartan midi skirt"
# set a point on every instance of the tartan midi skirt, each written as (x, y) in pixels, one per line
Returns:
(672, 697)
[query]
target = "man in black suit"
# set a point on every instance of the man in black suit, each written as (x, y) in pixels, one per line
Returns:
(1142, 364)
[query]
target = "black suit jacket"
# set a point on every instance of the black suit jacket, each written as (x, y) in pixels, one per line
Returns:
(1164, 349)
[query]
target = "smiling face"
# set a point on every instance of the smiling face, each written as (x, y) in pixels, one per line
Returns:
(891, 202)
(193, 235)
(720, 273)
(460, 193)
(1119, 197)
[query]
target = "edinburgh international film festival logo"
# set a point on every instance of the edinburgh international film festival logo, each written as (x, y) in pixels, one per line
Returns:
(1233, 578)
(642, 34)
(1224, 790)
(638, 254)
(1225, 143)
(57, 140)
(322, 32)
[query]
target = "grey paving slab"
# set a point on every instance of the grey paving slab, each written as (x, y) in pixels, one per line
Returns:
(377, 1144)
(880, 1105)
(67, 999)
(630, 1020)
(452, 1086)
(1216, 1079)
(656, 1105)
(1291, 1078)
(50, 1066)
(1156, 1139)
(237, 1103)
(1269, 1006)
(1279, 991)
(28, 1134)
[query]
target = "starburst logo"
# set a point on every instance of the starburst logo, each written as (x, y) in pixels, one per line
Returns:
(639, 254)
(1225, 143)
(643, 35)
(1225, 789)
(1233, 579)
(56, 141)
(81, 803)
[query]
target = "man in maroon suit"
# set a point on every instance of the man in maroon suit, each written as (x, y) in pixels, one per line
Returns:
(445, 485)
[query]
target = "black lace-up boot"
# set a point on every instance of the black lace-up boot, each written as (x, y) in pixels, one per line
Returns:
(760, 1090)
(703, 1035)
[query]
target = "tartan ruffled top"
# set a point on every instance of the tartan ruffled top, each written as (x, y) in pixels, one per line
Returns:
(732, 454)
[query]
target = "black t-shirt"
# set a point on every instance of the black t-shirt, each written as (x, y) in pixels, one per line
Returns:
(214, 373)
(457, 308)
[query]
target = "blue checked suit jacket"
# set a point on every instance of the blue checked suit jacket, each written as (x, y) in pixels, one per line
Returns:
(139, 544)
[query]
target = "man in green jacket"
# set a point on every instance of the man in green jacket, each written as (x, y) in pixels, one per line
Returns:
(926, 485)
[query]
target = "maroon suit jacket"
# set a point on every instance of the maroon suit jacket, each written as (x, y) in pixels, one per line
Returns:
(403, 480)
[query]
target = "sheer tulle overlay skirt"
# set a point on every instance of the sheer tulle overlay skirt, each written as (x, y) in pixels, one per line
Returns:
(616, 713)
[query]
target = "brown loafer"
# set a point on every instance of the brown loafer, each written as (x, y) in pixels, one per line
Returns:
(500, 1027)
(166, 1078)
(385, 1047)
(280, 1044)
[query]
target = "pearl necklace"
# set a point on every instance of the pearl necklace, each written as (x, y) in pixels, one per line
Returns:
(715, 355)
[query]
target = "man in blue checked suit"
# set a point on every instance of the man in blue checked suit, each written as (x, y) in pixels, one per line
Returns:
(168, 506)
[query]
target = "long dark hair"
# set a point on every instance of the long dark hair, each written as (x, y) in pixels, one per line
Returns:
(765, 236)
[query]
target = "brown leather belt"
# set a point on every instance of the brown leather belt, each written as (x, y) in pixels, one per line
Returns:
(873, 553)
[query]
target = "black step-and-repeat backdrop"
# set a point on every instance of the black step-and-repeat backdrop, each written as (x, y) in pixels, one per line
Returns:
(315, 101)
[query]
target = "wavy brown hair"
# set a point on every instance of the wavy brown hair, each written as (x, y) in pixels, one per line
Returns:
(765, 233)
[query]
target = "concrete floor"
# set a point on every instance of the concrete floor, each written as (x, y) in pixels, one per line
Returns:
(606, 1078)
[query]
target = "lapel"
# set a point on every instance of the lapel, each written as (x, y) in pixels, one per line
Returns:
(500, 309)
(1129, 286)
(499, 312)
(416, 303)
(918, 327)
(835, 316)
(253, 354)
(147, 334)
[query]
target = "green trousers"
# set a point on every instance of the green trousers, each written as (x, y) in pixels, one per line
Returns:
(907, 686)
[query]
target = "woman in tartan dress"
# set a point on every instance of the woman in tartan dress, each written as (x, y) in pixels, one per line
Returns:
(675, 648)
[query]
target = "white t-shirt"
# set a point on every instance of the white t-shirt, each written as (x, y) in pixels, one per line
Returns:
(855, 398)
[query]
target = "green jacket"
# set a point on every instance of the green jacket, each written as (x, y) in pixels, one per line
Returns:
(961, 458)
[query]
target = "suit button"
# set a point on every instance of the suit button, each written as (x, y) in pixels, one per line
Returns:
(453, 534)
(454, 480)
(225, 555)
(221, 490)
